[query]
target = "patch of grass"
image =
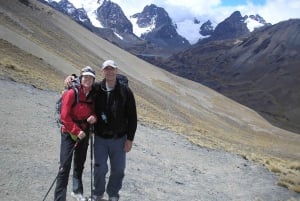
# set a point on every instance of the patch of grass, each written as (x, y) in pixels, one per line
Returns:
(289, 183)
(295, 165)
(22, 67)
(165, 86)
(287, 170)
(291, 176)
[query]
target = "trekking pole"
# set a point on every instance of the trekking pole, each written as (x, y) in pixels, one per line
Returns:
(92, 157)
(62, 166)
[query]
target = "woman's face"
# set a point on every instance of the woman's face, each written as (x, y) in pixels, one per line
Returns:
(87, 81)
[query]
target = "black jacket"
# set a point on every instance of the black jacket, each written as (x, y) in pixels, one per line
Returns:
(116, 111)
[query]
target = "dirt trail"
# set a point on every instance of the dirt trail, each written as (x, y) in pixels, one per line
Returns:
(161, 166)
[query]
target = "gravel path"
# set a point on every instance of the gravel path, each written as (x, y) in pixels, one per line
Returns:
(161, 166)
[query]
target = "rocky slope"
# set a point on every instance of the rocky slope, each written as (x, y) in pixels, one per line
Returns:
(161, 166)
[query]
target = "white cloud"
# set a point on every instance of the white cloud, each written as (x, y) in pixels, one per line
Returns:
(279, 10)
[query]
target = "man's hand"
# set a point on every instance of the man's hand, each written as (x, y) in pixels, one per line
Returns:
(68, 81)
(127, 146)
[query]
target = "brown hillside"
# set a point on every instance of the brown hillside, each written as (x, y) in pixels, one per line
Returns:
(259, 71)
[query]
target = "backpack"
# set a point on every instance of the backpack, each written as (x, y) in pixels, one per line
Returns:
(58, 104)
(122, 79)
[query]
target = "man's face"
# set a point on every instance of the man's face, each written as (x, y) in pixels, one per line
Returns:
(110, 73)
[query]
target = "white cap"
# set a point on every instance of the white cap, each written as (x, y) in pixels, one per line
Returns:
(109, 63)
(88, 71)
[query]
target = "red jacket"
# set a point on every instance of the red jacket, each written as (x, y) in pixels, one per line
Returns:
(72, 111)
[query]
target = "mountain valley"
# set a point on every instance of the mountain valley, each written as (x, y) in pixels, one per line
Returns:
(40, 46)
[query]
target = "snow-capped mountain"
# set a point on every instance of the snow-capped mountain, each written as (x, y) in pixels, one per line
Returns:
(158, 28)
(152, 25)
(110, 15)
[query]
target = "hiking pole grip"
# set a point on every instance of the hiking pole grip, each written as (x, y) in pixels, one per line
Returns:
(91, 129)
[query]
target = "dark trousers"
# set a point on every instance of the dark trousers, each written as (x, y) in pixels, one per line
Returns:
(80, 152)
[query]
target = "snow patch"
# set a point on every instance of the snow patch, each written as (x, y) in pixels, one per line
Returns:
(90, 6)
(138, 31)
(252, 24)
(119, 36)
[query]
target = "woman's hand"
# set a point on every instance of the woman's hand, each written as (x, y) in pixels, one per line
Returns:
(81, 135)
(92, 119)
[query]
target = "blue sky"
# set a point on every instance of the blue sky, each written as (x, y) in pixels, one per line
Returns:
(241, 2)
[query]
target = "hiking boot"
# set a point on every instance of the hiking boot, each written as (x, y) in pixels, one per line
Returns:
(113, 199)
(78, 196)
(96, 198)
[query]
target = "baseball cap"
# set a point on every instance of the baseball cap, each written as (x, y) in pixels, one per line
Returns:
(88, 71)
(108, 63)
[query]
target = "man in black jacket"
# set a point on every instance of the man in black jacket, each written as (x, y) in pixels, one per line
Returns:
(114, 132)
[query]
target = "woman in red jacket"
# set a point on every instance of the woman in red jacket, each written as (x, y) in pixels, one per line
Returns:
(76, 116)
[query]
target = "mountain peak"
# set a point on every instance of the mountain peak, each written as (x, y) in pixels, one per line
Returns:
(206, 28)
(159, 28)
(112, 16)
(232, 27)
(152, 14)
(237, 25)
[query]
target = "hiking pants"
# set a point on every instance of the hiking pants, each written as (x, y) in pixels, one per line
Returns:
(80, 152)
(114, 150)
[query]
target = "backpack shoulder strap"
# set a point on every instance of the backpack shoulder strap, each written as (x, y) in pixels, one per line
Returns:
(124, 90)
(76, 93)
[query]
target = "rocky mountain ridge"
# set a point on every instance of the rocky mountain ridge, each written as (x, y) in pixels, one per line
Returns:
(161, 34)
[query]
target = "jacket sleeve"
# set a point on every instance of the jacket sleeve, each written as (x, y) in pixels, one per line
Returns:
(132, 115)
(66, 112)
